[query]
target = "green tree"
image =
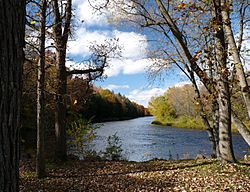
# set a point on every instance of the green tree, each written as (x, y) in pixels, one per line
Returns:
(161, 109)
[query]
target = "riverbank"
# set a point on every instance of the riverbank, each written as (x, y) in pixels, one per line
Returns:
(189, 122)
(181, 122)
(157, 175)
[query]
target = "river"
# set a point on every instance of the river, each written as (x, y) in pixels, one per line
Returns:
(142, 141)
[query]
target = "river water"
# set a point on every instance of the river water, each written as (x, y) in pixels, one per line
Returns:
(142, 141)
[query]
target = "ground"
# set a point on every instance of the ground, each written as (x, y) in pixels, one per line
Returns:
(157, 175)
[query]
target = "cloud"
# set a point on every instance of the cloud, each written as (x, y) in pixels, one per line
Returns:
(134, 44)
(88, 15)
(143, 96)
(83, 39)
(114, 87)
(134, 48)
(182, 83)
(245, 53)
(127, 66)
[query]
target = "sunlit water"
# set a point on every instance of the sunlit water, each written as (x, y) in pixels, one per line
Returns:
(142, 141)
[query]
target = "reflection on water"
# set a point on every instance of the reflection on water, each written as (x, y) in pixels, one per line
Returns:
(142, 141)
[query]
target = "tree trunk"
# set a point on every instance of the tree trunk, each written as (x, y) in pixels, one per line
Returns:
(61, 33)
(233, 49)
(60, 112)
(215, 109)
(12, 28)
(243, 130)
(40, 161)
(225, 136)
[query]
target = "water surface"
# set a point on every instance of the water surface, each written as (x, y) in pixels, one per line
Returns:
(142, 141)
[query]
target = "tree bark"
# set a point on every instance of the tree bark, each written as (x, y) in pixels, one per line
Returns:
(60, 112)
(233, 49)
(225, 136)
(61, 34)
(216, 122)
(12, 29)
(40, 161)
(243, 130)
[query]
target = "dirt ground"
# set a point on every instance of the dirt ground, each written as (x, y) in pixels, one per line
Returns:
(157, 175)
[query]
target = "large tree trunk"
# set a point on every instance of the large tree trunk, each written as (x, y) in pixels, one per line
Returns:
(225, 136)
(61, 33)
(60, 113)
(40, 161)
(233, 49)
(12, 28)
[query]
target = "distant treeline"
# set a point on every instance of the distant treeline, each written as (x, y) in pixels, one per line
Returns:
(105, 105)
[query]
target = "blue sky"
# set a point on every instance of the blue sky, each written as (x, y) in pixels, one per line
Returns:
(126, 75)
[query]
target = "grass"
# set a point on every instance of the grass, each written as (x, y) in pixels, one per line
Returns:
(181, 122)
(189, 122)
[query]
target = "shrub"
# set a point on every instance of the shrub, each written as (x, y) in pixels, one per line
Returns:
(80, 132)
(113, 151)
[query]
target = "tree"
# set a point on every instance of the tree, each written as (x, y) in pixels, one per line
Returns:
(40, 161)
(12, 29)
(225, 136)
(235, 52)
(98, 61)
(161, 108)
(61, 32)
(233, 49)
(173, 20)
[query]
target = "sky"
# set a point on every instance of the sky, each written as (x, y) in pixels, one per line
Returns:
(128, 74)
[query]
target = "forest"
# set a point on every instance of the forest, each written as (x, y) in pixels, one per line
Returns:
(178, 107)
(84, 101)
(45, 104)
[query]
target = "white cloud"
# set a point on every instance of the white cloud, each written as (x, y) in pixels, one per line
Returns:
(181, 84)
(246, 49)
(134, 44)
(114, 87)
(134, 48)
(83, 39)
(127, 66)
(143, 96)
(87, 14)
(70, 64)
